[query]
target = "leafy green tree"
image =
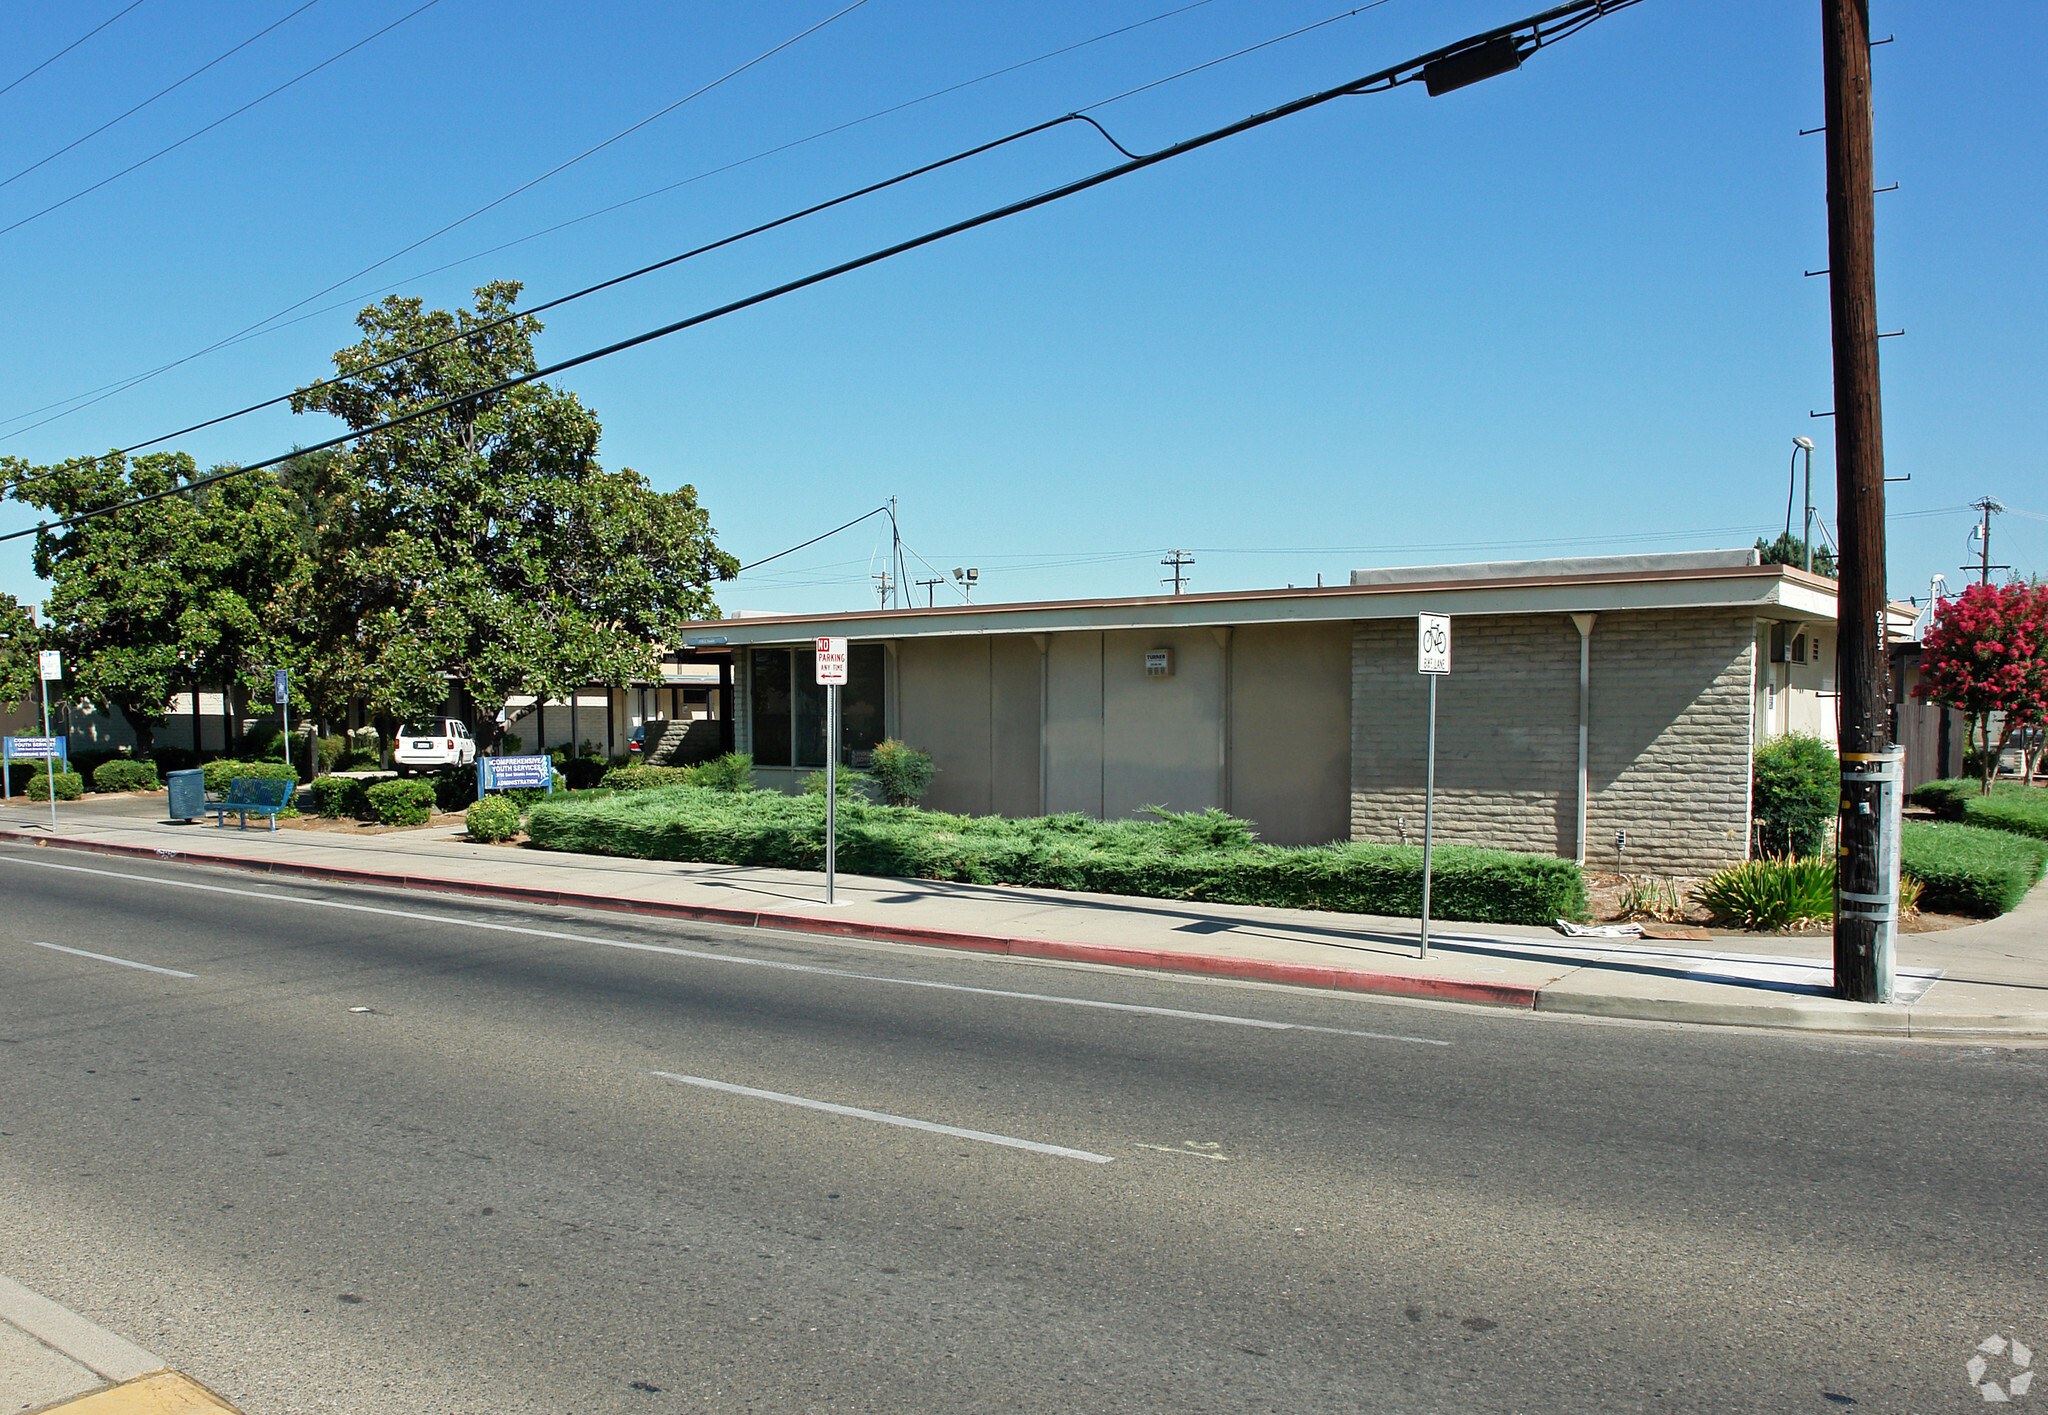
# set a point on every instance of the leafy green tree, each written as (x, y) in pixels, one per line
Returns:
(483, 544)
(19, 641)
(153, 599)
(1789, 549)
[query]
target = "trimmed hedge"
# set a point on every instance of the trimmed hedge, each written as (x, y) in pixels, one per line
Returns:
(1969, 870)
(220, 775)
(401, 802)
(121, 774)
(1203, 856)
(341, 797)
(2023, 810)
(70, 786)
(492, 819)
(1795, 784)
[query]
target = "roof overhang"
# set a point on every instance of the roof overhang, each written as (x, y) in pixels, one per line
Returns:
(1769, 591)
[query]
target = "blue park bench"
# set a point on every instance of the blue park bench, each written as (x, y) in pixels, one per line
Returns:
(264, 796)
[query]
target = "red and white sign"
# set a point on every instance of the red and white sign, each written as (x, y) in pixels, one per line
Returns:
(831, 661)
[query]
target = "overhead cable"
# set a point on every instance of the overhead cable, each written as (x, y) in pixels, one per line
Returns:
(1562, 20)
(271, 322)
(865, 515)
(264, 98)
(69, 47)
(77, 142)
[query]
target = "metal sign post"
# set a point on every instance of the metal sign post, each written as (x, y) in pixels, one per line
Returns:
(52, 668)
(1433, 659)
(831, 674)
(281, 690)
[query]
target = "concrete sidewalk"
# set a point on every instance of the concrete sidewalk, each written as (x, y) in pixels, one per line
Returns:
(52, 1359)
(1986, 980)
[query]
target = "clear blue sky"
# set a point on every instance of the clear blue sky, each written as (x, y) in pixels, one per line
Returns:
(1560, 312)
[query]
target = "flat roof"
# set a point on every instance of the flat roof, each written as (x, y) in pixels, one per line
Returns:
(1771, 591)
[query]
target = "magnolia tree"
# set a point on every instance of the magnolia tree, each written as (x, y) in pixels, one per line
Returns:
(1986, 654)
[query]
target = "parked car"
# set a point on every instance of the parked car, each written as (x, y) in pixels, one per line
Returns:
(433, 745)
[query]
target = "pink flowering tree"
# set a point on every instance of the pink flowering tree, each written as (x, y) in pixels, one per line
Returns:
(1986, 653)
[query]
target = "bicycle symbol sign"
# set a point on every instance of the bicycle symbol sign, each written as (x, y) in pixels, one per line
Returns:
(1433, 643)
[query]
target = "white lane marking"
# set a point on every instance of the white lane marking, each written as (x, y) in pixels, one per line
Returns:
(698, 954)
(1191, 1154)
(886, 1119)
(109, 958)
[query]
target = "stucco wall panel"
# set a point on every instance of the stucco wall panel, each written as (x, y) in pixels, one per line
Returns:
(1290, 731)
(1162, 737)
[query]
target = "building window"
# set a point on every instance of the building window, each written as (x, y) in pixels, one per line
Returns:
(788, 707)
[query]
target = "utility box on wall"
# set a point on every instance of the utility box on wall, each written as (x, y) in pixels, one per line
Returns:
(1159, 663)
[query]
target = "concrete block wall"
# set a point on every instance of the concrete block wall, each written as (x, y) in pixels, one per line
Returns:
(1669, 736)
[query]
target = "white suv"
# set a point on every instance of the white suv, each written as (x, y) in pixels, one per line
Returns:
(432, 745)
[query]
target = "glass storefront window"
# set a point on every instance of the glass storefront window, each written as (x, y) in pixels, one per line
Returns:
(788, 707)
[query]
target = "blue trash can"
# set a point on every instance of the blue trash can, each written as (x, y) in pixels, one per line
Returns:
(188, 794)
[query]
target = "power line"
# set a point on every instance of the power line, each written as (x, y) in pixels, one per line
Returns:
(76, 142)
(1485, 48)
(484, 328)
(69, 47)
(269, 323)
(162, 151)
(878, 511)
(1077, 116)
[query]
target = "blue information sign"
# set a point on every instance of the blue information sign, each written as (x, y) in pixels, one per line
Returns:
(35, 747)
(281, 686)
(515, 773)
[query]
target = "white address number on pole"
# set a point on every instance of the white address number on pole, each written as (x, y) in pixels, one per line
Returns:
(831, 661)
(1433, 647)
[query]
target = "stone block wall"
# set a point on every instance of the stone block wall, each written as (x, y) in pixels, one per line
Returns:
(1669, 736)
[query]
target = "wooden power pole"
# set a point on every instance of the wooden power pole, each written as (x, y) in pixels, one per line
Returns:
(1866, 903)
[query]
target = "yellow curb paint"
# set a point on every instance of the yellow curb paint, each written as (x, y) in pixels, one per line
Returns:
(161, 1393)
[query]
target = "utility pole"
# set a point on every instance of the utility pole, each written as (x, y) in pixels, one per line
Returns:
(884, 583)
(1867, 870)
(1984, 567)
(1177, 560)
(931, 593)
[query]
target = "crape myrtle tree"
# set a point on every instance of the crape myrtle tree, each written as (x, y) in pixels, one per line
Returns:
(1985, 653)
(482, 544)
(153, 599)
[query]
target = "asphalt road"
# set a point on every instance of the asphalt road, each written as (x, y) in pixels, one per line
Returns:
(374, 1156)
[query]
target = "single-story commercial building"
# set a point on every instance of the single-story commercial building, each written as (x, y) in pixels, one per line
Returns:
(1602, 709)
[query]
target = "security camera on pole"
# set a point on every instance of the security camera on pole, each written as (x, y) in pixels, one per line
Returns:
(1433, 659)
(832, 675)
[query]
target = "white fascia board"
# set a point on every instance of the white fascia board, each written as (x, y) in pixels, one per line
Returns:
(1769, 595)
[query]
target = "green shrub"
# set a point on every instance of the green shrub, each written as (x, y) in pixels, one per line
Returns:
(328, 751)
(121, 774)
(221, 774)
(646, 778)
(2023, 810)
(1966, 869)
(1794, 791)
(491, 819)
(582, 773)
(1770, 893)
(402, 802)
(454, 788)
(732, 772)
(904, 772)
(87, 761)
(1160, 858)
(70, 786)
(849, 783)
(341, 797)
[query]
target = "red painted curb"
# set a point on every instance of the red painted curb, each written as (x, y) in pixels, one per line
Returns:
(1117, 955)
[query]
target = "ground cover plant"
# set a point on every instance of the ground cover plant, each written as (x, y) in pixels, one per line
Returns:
(220, 775)
(1966, 869)
(2023, 810)
(1207, 856)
